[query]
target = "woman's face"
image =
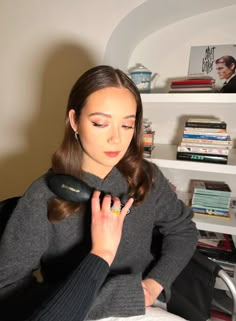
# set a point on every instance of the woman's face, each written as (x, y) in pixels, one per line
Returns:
(105, 128)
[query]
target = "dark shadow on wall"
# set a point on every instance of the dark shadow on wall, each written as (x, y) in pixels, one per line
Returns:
(60, 70)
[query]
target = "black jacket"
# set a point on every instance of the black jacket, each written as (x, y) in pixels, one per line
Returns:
(230, 87)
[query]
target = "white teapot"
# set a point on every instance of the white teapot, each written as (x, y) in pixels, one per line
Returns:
(142, 77)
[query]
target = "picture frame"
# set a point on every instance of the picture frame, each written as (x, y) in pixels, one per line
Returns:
(203, 64)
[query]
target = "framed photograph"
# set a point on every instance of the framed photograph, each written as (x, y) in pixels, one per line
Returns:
(217, 62)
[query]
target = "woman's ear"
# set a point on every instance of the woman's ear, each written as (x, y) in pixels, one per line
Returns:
(72, 120)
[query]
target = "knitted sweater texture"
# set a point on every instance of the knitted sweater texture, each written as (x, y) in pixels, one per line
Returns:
(30, 241)
(73, 299)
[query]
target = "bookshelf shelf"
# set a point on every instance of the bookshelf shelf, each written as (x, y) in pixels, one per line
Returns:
(220, 225)
(188, 97)
(164, 155)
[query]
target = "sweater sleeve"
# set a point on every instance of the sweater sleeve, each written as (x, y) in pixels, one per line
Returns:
(73, 299)
(120, 296)
(179, 234)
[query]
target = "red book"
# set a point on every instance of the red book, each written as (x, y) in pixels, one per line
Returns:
(193, 82)
(226, 244)
(216, 315)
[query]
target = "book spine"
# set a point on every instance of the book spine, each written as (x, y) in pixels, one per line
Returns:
(193, 82)
(202, 158)
(211, 192)
(207, 141)
(222, 206)
(202, 186)
(221, 146)
(205, 125)
(192, 89)
(206, 136)
(203, 150)
(148, 148)
(205, 120)
(212, 215)
(191, 86)
(196, 130)
(220, 316)
(210, 204)
(207, 210)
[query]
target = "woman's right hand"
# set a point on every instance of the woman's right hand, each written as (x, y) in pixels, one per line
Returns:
(106, 227)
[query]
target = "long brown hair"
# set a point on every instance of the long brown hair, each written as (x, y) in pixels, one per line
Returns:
(67, 159)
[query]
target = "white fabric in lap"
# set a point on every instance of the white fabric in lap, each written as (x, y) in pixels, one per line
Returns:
(152, 314)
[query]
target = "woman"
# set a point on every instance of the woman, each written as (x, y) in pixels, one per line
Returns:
(102, 146)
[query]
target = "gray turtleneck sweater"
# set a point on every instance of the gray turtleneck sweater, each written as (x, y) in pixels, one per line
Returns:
(30, 241)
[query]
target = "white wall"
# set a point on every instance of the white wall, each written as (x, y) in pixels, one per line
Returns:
(45, 46)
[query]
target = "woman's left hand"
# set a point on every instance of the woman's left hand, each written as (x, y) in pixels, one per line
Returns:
(152, 290)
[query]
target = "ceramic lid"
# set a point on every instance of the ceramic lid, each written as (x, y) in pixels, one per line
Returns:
(139, 68)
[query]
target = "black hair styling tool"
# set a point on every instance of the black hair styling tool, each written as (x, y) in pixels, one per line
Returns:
(71, 189)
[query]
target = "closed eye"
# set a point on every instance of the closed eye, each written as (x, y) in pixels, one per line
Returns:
(98, 125)
(128, 127)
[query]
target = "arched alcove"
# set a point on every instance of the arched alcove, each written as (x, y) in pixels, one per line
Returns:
(148, 18)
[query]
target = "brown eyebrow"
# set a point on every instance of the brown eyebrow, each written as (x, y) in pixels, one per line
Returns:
(109, 116)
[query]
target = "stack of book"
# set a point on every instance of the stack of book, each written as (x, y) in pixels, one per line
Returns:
(205, 140)
(219, 248)
(193, 85)
(148, 138)
(210, 198)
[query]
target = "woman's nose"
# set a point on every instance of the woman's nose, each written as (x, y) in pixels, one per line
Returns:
(114, 136)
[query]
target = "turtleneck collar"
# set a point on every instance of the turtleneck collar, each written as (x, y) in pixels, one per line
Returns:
(114, 183)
